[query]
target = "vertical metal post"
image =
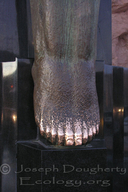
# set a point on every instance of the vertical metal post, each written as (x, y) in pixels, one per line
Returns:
(9, 126)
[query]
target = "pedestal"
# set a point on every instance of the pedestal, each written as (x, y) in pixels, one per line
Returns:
(61, 169)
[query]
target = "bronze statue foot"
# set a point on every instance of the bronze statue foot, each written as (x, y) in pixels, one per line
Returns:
(65, 99)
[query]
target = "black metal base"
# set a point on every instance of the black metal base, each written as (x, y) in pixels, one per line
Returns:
(61, 169)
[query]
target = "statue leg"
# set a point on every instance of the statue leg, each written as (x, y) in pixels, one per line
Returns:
(65, 98)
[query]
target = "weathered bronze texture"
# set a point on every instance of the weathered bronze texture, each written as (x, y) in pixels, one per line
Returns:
(65, 98)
